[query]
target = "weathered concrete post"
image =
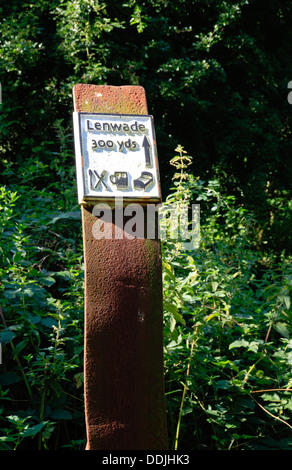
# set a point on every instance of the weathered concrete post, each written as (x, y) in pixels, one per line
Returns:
(124, 386)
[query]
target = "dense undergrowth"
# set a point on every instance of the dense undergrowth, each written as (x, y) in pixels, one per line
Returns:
(216, 75)
(227, 333)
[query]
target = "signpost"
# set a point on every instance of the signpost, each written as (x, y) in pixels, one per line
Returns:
(123, 365)
(116, 157)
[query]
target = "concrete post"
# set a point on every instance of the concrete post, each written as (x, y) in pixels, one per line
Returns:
(123, 365)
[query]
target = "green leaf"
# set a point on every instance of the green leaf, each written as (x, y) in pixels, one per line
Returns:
(48, 281)
(49, 322)
(7, 438)
(214, 285)
(273, 397)
(11, 293)
(170, 308)
(61, 414)
(173, 309)
(286, 300)
(20, 346)
(239, 343)
(66, 215)
(34, 319)
(6, 336)
(9, 378)
(223, 384)
(186, 411)
(253, 346)
(16, 419)
(282, 329)
(34, 291)
(66, 275)
(33, 430)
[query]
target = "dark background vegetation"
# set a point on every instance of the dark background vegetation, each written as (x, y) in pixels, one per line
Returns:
(216, 76)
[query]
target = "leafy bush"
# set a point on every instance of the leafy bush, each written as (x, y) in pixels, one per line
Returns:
(216, 74)
(227, 321)
(41, 310)
(228, 347)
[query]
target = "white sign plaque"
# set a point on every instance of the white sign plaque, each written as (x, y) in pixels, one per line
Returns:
(116, 157)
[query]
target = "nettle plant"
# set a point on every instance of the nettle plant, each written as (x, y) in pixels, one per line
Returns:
(227, 322)
(227, 329)
(41, 333)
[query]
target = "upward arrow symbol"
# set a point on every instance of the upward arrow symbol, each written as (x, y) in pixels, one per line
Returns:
(146, 146)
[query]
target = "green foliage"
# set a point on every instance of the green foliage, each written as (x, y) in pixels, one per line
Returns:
(89, 21)
(227, 331)
(227, 322)
(41, 310)
(216, 75)
(215, 72)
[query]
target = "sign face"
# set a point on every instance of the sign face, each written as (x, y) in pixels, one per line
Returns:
(116, 157)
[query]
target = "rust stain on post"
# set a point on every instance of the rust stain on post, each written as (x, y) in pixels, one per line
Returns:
(123, 365)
